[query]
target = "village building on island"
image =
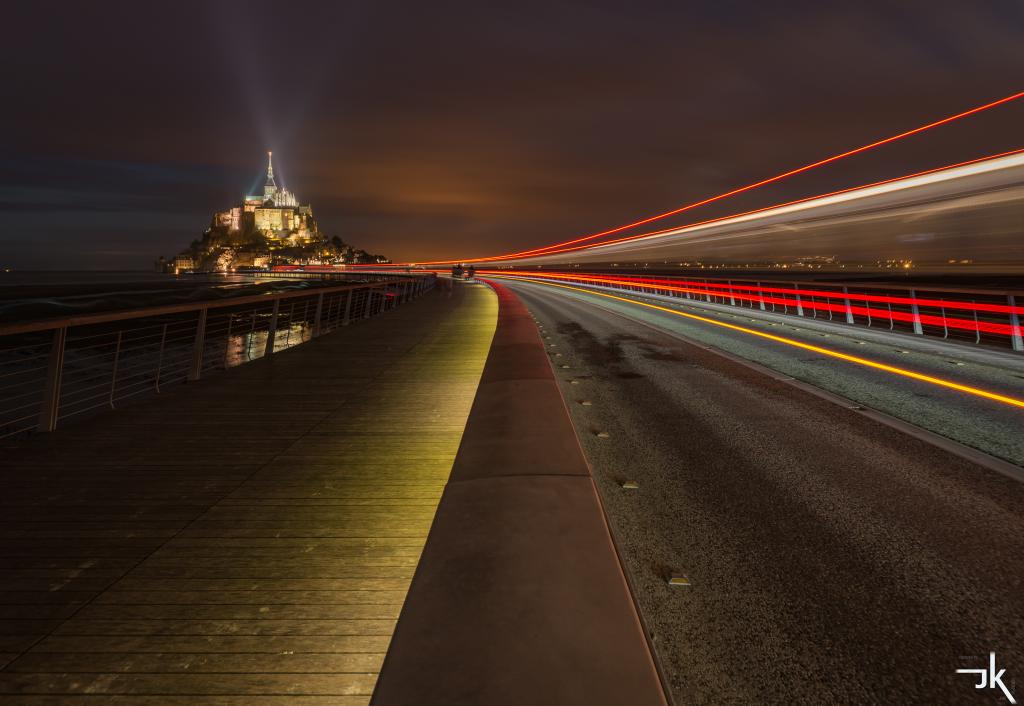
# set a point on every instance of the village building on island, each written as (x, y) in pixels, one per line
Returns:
(262, 231)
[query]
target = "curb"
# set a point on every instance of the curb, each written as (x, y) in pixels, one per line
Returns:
(519, 596)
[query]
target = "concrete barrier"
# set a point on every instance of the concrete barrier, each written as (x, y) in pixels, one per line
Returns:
(519, 597)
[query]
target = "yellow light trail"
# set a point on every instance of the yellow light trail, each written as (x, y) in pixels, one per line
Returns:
(1013, 401)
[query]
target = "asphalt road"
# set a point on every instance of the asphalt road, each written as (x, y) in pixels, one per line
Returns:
(994, 428)
(831, 558)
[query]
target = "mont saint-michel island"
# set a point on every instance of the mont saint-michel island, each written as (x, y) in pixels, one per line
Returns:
(266, 231)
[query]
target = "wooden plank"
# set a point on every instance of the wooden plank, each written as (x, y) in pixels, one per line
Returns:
(316, 626)
(331, 684)
(253, 611)
(265, 597)
(189, 700)
(255, 644)
(160, 663)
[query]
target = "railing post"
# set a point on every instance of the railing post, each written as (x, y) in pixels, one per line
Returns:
(272, 329)
(799, 304)
(316, 316)
(113, 375)
(160, 358)
(252, 334)
(51, 390)
(367, 307)
(760, 295)
(291, 321)
(197, 346)
(732, 299)
(227, 339)
(329, 317)
(915, 313)
(384, 298)
(846, 303)
(348, 308)
(1015, 333)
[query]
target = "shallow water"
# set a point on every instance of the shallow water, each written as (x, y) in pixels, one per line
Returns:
(28, 296)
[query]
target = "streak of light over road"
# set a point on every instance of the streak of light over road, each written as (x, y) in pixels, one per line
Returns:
(962, 210)
(930, 379)
(749, 187)
(790, 297)
(809, 200)
(991, 165)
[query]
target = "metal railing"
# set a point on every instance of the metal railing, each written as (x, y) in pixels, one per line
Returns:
(980, 317)
(58, 369)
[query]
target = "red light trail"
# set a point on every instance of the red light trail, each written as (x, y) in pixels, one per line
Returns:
(866, 362)
(754, 211)
(757, 294)
(749, 187)
(710, 221)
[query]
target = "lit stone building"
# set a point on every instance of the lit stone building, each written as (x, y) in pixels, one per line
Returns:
(276, 214)
(182, 263)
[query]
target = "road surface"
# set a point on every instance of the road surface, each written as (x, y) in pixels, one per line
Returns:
(830, 558)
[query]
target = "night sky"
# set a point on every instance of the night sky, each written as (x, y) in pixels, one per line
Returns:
(454, 129)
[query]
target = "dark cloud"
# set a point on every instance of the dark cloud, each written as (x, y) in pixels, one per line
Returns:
(457, 128)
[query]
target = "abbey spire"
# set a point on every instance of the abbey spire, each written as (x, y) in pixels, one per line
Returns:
(270, 187)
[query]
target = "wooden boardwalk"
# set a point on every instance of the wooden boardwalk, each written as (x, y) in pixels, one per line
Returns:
(245, 540)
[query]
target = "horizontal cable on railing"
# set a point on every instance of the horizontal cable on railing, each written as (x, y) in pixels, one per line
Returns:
(6, 433)
(27, 405)
(21, 372)
(21, 360)
(68, 395)
(21, 394)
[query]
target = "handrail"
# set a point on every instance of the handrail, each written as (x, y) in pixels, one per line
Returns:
(201, 337)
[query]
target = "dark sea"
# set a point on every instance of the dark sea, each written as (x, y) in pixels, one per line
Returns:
(27, 296)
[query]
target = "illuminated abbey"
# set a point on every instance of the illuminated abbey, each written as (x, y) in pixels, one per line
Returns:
(264, 230)
(275, 214)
